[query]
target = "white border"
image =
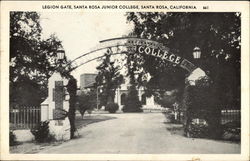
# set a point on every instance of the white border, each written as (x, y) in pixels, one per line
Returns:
(214, 6)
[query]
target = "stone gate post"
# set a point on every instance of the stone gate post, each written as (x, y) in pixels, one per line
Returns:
(55, 107)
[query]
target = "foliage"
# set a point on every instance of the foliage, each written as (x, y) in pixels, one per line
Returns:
(32, 59)
(232, 131)
(199, 102)
(112, 107)
(41, 132)
(109, 78)
(170, 117)
(12, 138)
(195, 129)
(132, 103)
(218, 36)
(167, 99)
(170, 100)
(86, 101)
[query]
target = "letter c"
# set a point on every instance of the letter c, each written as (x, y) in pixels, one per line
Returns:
(140, 49)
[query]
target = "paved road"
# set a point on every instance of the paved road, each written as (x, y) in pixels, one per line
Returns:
(140, 134)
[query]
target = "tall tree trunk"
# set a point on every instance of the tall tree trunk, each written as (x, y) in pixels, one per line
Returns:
(72, 117)
(72, 87)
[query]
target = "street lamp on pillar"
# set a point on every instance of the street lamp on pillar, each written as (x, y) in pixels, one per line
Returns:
(197, 54)
(60, 54)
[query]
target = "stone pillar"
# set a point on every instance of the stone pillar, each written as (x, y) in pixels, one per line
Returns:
(195, 75)
(45, 110)
(52, 108)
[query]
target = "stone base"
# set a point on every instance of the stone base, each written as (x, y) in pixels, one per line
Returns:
(60, 129)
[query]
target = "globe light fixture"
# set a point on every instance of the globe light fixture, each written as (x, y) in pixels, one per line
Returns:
(60, 54)
(197, 53)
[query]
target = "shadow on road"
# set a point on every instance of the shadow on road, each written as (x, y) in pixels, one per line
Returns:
(175, 129)
(90, 119)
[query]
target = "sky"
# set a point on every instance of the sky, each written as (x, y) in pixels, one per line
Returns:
(81, 31)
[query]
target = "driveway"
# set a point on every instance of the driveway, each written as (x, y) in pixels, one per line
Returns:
(139, 133)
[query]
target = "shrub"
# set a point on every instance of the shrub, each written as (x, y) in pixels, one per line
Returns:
(231, 131)
(197, 128)
(199, 101)
(169, 116)
(41, 132)
(132, 103)
(112, 107)
(12, 139)
(86, 102)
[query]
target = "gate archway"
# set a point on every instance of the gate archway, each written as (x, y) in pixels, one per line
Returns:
(133, 45)
(115, 46)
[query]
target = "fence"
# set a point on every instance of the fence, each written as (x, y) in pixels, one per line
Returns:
(227, 115)
(24, 117)
(230, 115)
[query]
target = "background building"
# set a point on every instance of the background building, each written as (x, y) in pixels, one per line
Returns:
(148, 103)
(87, 80)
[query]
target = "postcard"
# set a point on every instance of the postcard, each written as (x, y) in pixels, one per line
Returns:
(125, 80)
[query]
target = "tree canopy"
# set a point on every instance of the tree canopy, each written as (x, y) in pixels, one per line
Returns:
(216, 34)
(32, 59)
(108, 78)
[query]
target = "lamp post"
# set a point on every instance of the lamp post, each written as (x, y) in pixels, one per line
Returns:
(60, 53)
(197, 55)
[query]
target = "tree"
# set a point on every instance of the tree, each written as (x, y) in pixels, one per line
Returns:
(167, 99)
(86, 101)
(32, 59)
(132, 103)
(218, 36)
(71, 88)
(109, 78)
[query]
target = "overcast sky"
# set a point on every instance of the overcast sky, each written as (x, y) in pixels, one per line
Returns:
(79, 32)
